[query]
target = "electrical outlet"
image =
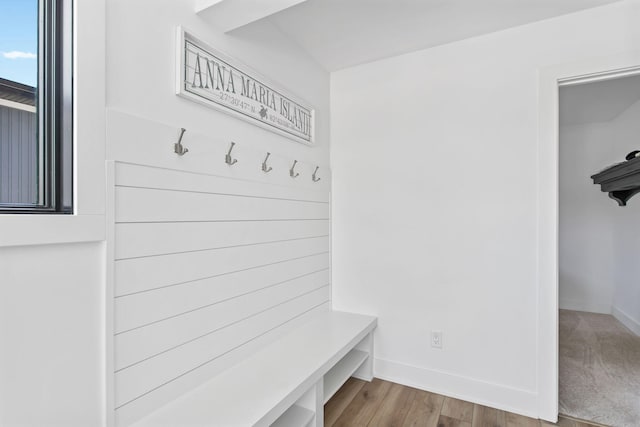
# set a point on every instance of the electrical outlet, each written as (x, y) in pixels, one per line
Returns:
(436, 339)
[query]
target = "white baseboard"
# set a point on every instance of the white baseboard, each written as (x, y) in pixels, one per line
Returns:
(585, 306)
(506, 398)
(626, 320)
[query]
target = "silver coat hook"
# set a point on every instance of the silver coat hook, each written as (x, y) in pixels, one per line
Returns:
(178, 148)
(266, 169)
(227, 159)
(292, 173)
(313, 177)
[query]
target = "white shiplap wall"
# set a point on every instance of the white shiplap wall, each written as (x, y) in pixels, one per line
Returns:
(203, 269)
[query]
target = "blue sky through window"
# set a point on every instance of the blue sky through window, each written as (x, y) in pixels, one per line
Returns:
(19, 41)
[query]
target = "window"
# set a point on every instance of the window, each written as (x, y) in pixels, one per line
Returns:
(36, 153)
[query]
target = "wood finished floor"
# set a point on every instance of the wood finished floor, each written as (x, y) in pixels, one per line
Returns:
(385, 404)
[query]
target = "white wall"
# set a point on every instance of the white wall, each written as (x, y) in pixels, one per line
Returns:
(52, 296)
(434, 157)
(141, 58)
(626, 298)
(586, 240)
(51, 323)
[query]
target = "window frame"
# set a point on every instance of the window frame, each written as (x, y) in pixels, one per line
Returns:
(54, 109)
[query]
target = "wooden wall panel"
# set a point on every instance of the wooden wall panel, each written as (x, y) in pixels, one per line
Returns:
(144, 274)
(171, 332)
(158, 205)
(140, 309)
(135, 240)
(204, 269)
(146, 403)
(142, 176)
(164, 368)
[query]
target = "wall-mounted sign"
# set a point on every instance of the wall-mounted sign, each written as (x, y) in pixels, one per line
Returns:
(215, 80)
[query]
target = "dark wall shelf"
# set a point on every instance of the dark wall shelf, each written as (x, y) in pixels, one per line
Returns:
(621, 181)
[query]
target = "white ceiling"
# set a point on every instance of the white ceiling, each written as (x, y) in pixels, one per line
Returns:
(598, 102)
(343, 33)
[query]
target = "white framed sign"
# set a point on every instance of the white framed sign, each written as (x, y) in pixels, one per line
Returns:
(210, 77)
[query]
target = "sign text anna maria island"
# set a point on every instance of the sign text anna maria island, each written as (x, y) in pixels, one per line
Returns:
(211, 78)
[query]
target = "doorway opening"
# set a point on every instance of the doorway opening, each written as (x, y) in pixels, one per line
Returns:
(598, 253)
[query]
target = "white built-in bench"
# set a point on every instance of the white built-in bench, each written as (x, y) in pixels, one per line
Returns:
(284, 384)
(219, 291)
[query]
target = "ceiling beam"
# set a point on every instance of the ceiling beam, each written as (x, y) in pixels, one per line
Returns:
(228, 15)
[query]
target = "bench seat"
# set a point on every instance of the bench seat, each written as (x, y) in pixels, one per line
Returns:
(275, 385)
